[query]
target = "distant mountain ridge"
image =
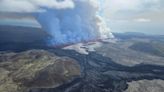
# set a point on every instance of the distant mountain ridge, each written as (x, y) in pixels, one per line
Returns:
(130, 35)
(21, 34)
(12, 37)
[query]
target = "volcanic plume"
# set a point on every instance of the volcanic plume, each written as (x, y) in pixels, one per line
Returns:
(74, 24)
(66, 21)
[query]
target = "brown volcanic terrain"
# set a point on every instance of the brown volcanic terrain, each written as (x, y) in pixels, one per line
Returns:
(112, 68)
(146, 86)
(35, 69)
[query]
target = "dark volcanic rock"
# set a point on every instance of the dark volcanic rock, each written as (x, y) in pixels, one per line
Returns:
(101, 74)
(98, 73)
(14, 37)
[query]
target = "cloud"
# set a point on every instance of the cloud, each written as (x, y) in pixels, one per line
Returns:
(79, 24)
(112, 7)
(142, 20)
(135, 15)
(39, 5)
(33, 5)
(66, 21)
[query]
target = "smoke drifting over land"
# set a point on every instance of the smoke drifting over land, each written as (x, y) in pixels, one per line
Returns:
(67, 21)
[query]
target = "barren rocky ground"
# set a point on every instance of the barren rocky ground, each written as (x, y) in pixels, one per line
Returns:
(27, 65)
(146, 86)
(20, 72)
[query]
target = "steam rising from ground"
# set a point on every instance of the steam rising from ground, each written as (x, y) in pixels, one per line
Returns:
(67, 21)
(73, 25)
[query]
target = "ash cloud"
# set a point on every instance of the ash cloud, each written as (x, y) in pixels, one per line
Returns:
(67, 21)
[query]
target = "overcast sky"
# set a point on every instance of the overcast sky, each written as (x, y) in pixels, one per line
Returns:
(135, 15)
(121, 15)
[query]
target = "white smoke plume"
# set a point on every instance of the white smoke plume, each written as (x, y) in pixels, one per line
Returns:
(67, 21)
(33, 5)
